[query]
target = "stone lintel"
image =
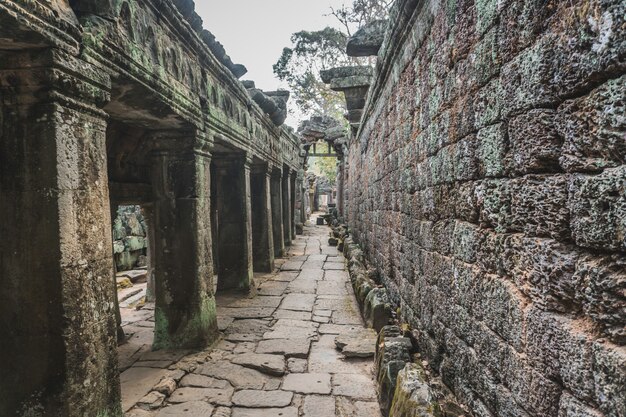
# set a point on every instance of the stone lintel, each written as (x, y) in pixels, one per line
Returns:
(367, 40)
(346, 83)
(343, 72)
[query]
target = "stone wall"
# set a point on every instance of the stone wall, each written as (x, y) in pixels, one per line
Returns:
(130, 238)
(487, 185)
(106, 103)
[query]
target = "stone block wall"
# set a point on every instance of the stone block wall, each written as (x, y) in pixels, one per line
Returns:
(130, 238)
(487, 185)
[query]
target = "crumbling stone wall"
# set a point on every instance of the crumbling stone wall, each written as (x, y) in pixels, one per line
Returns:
(105, 103)
(130, 238)
(487, 184)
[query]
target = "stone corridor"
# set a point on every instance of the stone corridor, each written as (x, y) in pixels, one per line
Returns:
(278, 353)
(479, 201)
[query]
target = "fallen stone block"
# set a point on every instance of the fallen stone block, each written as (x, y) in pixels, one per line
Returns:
(377, 309)
(123, 282)
(361, 344)
(392, 353)
(413, 396)
(166, 386)
(152, 401)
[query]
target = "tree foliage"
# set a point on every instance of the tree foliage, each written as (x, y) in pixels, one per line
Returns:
(360, 13)
(325, 167)
(299, 65)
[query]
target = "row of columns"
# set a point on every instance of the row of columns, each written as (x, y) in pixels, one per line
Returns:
(251, 209)
(57, 298)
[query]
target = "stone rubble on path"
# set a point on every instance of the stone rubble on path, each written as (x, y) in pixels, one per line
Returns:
(298, 348)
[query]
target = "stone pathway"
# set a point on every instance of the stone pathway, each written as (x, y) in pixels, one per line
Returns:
(277, 357)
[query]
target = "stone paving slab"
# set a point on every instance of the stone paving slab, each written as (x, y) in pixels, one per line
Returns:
(260, 399)
(318, 406)
(308, 383)
(263, 362)
(137, 383)
(272, 288)
(265, 412)
(215, 396)
(296, 348)
(278, 356)
(292, 266)
(354, 385)
(190, 409)
(246, 312)
(298, 302)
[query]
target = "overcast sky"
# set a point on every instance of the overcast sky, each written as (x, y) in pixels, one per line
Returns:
(254, 32)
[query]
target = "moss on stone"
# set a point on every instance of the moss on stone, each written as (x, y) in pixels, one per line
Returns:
(196, 332)
(413, 397)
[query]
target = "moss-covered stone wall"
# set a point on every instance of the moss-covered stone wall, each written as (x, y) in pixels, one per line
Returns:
(487, 185)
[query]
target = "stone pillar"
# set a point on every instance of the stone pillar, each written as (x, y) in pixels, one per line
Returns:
(58, 343)
(121, 337)
(346, 191)
(300, 205)
(292, 205)
(287, 218)
(185, 305)
(234, 220)
(148, 214)
(262, 233)
(340, 186)
(277, 212)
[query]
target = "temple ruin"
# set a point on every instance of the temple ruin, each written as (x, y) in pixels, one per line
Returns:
(476, 259)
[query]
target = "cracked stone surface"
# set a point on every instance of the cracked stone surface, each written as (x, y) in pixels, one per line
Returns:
(278, 354)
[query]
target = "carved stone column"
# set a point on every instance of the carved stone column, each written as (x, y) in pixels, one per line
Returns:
(292, 203)
(121, 337)
(148, 214)
(286, 200)
(262, 233)
(185, 304)
(277, 212)
(234, 222)
(340, 185)
(58, 347)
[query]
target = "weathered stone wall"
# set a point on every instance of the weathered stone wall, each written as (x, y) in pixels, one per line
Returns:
(487, 184)
(102, 103)
(130, 238)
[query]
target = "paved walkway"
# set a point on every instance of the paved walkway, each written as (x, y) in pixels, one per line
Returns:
(278, 356)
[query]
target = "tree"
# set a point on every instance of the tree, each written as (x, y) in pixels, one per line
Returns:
(325, 167)
(360, 13)
(300, 64)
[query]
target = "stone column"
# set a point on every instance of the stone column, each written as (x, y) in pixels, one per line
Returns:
(121, 337)
(58, 343)
(292, 205)
(262, 233)
(300, 206)
(234, 218)
(340, 186)
(277, 212)
(185, 305)
(287, 219)
(148, 214)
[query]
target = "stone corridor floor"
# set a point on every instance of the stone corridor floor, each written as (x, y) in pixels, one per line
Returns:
(277, 356)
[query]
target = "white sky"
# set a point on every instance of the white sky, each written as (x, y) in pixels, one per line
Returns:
(254, 32)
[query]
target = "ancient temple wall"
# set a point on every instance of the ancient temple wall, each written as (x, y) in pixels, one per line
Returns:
(105, 103)
(487, 186)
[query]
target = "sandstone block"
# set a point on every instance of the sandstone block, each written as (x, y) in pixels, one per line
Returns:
(413, 396)
(598, 210)
(535, 141)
